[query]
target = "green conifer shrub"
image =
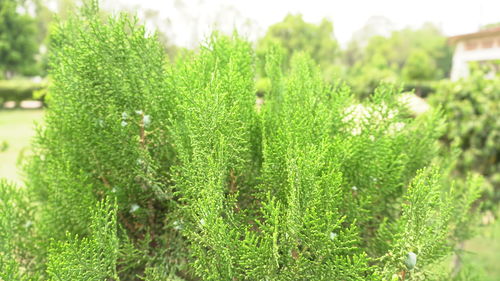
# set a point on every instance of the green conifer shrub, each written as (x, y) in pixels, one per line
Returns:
(89, 258)
(15, 230)
(145, 170)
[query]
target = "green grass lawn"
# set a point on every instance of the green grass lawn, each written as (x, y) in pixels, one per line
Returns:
(483, 255)
(16, 128)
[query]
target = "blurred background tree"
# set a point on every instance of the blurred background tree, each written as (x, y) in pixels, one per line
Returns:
(296, 35)
(419, 66)
(377, 53)
(410, 55)
(490, 25)
(18, 39)
(471, 106)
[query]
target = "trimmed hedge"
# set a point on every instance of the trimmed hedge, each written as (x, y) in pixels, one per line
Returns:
(18, 90)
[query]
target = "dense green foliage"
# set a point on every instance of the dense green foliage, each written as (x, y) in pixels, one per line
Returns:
(18, 40)
(148, 171)
(471, 106)
(15, 226)
(98, 251)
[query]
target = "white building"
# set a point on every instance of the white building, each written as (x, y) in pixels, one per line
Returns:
(481, 46)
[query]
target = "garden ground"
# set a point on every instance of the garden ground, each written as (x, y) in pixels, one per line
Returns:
(17, 128)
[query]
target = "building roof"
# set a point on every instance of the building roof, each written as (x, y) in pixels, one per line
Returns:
(482, 33)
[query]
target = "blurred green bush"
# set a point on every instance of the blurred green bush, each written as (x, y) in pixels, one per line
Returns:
(19, 90)
(421, 88)
(472, 108)
(262, 86)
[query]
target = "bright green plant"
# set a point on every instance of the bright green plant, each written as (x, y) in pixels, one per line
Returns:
(148, 171)
(15, 232)
(99, 251)
(109, 104)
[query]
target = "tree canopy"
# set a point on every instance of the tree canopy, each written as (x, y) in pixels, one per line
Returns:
(407, 55)
(296, 35)
(18, 40)
(419, 66)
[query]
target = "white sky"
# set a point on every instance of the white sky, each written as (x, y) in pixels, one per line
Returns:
(192, 20)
